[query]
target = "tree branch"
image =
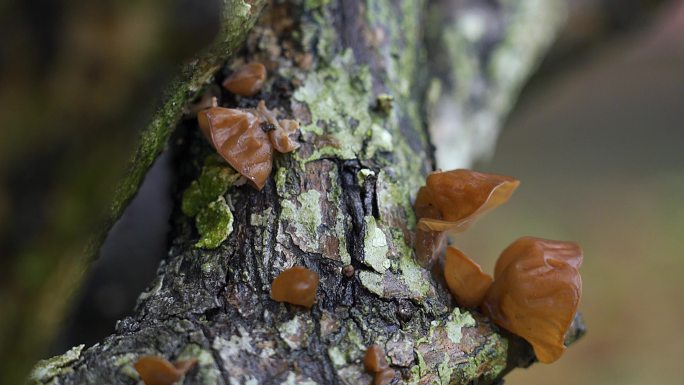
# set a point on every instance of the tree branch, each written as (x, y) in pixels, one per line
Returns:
(355, 74)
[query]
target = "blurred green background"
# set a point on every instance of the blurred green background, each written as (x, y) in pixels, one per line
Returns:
(599, 149)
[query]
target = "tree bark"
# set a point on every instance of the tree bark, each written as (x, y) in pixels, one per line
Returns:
(356, 75)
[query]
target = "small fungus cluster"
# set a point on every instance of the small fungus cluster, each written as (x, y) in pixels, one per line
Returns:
(155, 370)
(246, 138)
(536, 287)
(375, 363)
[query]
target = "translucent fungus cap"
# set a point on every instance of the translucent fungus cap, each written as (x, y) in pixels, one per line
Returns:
(537, 288)
(247, 80)
(296, 285)
(239, 139)
(155, 370)
(467, 282)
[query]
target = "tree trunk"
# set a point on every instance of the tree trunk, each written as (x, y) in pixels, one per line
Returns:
(355, 74)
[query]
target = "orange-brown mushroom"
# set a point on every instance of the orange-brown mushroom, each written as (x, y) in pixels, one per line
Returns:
(155, 370)
(467, 282)
(450, 201)
(280, 130)
(384, 377)
(296, 285)
(239, 139)
(375, 362)
(238, 136)
(247, 80)
(536, 291)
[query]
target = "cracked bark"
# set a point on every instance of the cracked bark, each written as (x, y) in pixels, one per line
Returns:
(344, 198)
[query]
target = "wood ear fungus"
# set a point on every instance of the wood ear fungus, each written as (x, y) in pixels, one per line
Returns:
(155, 370)
(451, 201)
(375, 363)
(537, 288)
(296, 285)
(467, 282)
(238, 136)
(247, 80)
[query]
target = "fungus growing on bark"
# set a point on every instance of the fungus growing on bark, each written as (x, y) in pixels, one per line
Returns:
(238, 136)
(296, 285)
(536, 291)
(247, 80)
(155, 370)
(467, 282)
(452, 200)
(375, 363)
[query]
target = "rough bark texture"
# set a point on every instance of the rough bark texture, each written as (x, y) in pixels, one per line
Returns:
(344, 198)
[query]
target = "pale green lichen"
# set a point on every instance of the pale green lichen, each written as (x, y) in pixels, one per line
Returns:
(379, 140)
(125, 364)
(444, 370)
(209, 372)
(413, 275)
(488, 363)
(362, 175)
(214, 224)
(375, 246)
(214, 180)
(60, 365)
(457, 321)
(313, 4)
(330, 93)
(204, 201)
(293, 379)
(305, 216)
(337, 357)
(372, 282)
(261, 219)
(294, 332)
(241, 342)
(280, 181)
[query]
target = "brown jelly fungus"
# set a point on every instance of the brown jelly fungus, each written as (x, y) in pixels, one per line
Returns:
(155, 370)
(465, 279)
(450, 202)
(537, 288)
(247, 80)
(375, 363)
(238, 136)
(296, 285)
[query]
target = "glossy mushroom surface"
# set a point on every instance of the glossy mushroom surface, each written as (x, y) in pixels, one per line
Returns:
(279, 131)
(296, 285)
(155, 370)
(467, 282)
(375, 363)
(239, 139)
(450, 202)
(246, 138)
(247, 80)
(537, 288)
(374, 360)
(384, 377)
